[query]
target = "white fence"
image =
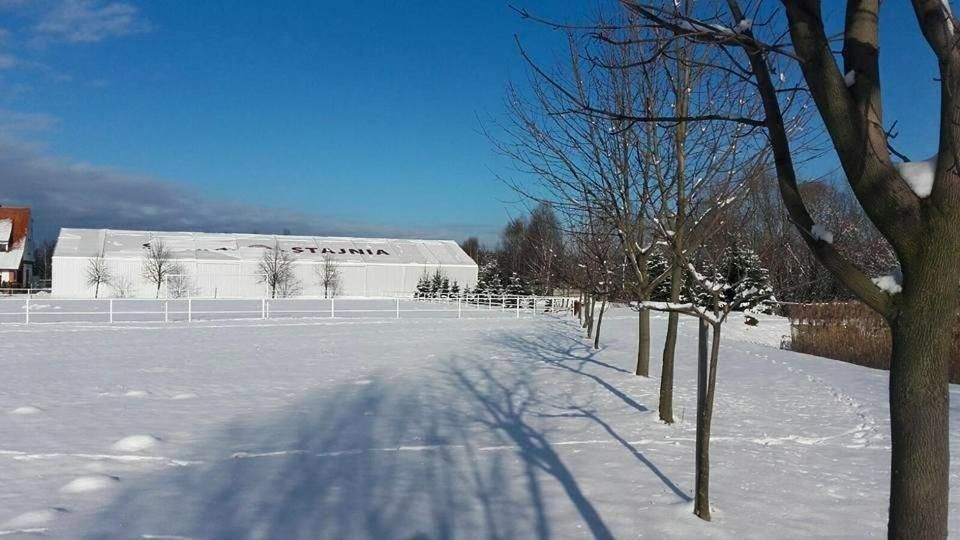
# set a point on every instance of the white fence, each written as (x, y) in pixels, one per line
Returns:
(46, 309)
(10, 291)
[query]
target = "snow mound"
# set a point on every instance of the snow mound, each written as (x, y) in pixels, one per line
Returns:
(137, 393)
(136, 443)
(34, 519)
(819, 232)
(85, 484)
(29, 409)
(919, 175)
(187, 395)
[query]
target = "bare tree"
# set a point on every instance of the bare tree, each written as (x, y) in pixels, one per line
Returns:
(159, 264)
(122, 286)
(276, 271)
(97, 274)
(721, 299)
(328, 272)
(618, 131)
(180, 285)
(915, 206)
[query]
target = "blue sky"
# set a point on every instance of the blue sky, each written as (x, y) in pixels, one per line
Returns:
(359, 117)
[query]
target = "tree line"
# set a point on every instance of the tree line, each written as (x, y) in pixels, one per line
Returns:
(669, 141)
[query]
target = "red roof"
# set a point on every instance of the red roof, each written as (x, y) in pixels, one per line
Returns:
(21, 223)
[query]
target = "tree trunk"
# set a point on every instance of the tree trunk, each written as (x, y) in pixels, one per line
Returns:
(596, 337)
(643, 343)
(920, 403)
(706, 385)
(592, 302)
(670, 350)
(159, 282)
(96, 291)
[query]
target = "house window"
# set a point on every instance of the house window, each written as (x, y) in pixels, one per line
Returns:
(4, 247)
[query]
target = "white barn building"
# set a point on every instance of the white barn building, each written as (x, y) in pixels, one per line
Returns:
(226, 265)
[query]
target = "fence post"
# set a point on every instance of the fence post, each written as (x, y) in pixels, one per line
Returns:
(111, 311)
(503, 302)
(398, 307)
(263, 308)
(26, 311)
(518, 307)
(459, 309)
(166, 311)
(189, 309)
(333, 311)
(534, 305)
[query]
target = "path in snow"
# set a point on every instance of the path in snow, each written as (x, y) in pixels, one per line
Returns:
(426, 429)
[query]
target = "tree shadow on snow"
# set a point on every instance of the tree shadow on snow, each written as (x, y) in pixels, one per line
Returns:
(467, 454)
(560, 350)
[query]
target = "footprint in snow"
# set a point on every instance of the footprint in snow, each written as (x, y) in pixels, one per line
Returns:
(84, 484)
(136, 443)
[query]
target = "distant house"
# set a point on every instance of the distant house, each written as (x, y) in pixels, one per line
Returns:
(16, 266)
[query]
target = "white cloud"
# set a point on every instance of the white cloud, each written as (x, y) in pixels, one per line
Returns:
(16, 123)
(70, 194)
(90, 21)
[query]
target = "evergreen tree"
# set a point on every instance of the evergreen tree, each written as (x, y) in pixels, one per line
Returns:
(423, 286)
(488, 281)
(445, 285)
(516, 287)
(436, 282)
(455, 288)
(748, 280)
(657, 265)
(742, 277)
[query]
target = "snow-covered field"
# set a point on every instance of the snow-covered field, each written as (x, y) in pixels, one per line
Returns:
(426, 429)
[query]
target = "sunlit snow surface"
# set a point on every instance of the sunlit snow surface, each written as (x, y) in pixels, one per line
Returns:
(427, 429)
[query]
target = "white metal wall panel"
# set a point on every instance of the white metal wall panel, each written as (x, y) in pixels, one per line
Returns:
(226, 265)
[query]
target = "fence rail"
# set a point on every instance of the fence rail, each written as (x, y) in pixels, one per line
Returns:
(11, 291)
(31, 309)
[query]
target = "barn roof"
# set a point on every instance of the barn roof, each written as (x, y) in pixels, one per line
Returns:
(226, 247)
(14, 226)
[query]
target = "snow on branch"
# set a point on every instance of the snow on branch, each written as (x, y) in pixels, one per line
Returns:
(888, 284)
(919, 175)
(820, 232)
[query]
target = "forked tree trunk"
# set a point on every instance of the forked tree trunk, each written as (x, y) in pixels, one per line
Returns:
(670, 351)
(920, 402)
(706, 389)
(596, 336)
(643, 343)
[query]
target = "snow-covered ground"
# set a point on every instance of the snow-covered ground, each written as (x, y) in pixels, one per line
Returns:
(422, 428)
